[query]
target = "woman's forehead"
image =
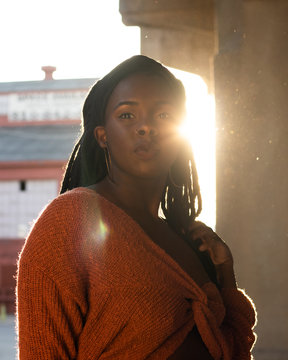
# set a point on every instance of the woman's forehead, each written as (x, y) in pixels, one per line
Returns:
(139, 85)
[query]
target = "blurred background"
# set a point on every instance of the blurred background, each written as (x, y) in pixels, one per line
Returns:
(232, 58)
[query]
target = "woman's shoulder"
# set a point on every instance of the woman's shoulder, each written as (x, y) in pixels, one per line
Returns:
(55, 246)
(81, 196)
(68, 204)
(74, 223)
(75, 196)
(60, 222)
(70, 216)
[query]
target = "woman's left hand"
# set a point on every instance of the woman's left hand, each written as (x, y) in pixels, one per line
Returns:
(219, 252)
(209, 241)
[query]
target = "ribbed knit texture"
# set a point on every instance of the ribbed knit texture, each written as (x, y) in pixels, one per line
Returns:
(92, 285)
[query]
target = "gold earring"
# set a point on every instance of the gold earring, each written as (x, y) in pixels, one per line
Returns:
(108, 161)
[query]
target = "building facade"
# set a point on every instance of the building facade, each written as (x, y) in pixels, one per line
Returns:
(39, 124)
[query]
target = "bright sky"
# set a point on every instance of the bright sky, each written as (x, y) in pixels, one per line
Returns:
(81, 38)
(87, 39)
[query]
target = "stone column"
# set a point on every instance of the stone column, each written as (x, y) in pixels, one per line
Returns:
(251, 87)
(177, 33)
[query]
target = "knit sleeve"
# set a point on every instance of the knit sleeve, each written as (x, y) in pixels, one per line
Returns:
(49, 320)
(239, 322)
(51, 283)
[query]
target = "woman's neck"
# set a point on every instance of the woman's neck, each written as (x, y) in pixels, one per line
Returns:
(141, 196)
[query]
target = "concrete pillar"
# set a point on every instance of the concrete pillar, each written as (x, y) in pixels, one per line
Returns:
(247, 41)
(251, 86)
(177, 33)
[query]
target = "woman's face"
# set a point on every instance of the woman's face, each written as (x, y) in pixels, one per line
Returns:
(141, 127)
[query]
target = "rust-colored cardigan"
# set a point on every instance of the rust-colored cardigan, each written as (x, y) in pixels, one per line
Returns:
(93, 285)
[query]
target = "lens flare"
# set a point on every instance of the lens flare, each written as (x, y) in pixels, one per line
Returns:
(102, 231)
(199, 129)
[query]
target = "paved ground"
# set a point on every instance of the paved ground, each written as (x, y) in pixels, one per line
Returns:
(7, 338)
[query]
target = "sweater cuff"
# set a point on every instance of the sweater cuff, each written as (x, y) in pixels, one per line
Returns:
(238, 300)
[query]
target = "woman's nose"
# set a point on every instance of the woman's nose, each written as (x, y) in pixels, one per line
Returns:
(147, 128)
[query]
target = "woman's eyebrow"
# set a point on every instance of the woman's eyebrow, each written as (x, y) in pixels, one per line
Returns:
(127, 102)
(130, 102)
(164, 102)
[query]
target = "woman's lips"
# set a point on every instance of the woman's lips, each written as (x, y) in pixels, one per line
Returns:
(146, 151)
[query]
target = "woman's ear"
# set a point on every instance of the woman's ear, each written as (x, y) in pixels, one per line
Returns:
(100, 136)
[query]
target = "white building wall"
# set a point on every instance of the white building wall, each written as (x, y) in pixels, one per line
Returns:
(19, 206)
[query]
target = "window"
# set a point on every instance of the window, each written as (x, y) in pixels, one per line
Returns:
(22, 185)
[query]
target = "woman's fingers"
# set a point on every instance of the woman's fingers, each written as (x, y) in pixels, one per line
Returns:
(207, 240)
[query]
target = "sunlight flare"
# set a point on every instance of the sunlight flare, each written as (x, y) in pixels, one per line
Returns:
(199, 129)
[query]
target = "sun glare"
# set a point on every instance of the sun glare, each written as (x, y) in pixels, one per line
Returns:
(199, 129)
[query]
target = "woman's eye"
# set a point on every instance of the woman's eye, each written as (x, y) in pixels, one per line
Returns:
(164, 115)
(126, 116)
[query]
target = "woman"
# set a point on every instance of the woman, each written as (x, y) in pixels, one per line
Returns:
(102, 275)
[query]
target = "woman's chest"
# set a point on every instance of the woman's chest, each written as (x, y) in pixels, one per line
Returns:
(147, 293)
(145, 301)
(178, 250)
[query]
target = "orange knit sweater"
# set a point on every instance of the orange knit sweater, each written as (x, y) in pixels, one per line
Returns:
(92, 285)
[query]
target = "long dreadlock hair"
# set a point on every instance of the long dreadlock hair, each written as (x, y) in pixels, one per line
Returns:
(181, 200)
